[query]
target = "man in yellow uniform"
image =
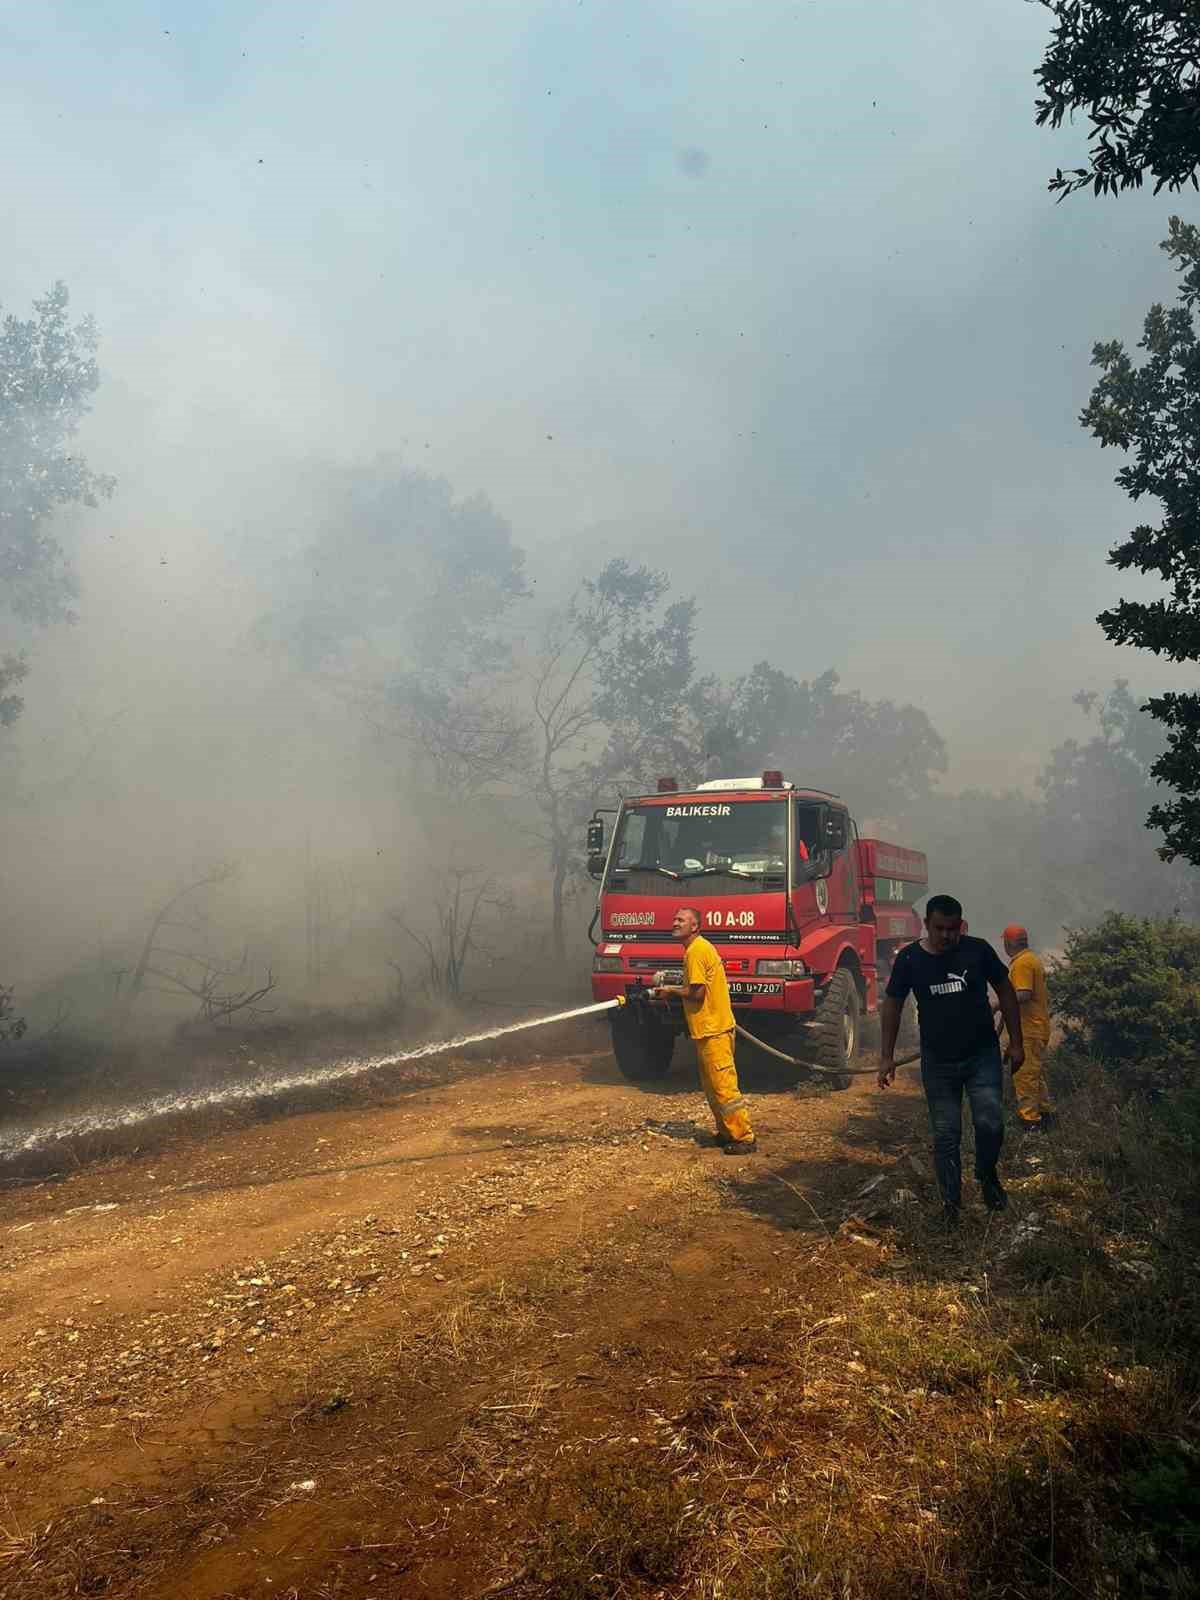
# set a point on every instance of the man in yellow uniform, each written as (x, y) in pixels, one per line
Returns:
(709, 1016)
(1028, 978)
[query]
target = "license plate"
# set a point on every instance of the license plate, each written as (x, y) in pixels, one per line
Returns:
(747, 991)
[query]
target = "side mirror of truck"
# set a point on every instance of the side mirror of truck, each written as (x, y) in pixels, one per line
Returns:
(595, 864)
(835, 830)
(595, 837)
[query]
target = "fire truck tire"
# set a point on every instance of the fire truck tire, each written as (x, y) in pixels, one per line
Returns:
(642, 1045)
(836, 1028)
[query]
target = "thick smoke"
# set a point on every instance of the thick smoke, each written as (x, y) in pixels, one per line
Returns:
(415, 322)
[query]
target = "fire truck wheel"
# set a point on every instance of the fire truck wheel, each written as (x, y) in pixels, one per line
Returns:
(835, 1032)
(642, 1044)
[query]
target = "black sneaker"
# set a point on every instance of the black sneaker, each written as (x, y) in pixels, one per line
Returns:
(994, 1197)
(739, 1147)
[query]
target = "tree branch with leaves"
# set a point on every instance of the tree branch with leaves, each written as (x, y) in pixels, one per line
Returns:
(48, 374)
(609, 685)
(401, 605)
(881, 755)
(1133, 66)
(1151, 410)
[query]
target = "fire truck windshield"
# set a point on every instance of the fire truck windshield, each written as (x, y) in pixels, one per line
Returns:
(720, 847)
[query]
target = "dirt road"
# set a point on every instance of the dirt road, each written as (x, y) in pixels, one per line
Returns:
(344, 1353)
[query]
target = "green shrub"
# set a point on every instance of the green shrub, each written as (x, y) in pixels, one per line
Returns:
(1127, 991)
(1164, 1495)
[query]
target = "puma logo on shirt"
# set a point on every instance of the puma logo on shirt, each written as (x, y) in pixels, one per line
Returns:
(956, 985)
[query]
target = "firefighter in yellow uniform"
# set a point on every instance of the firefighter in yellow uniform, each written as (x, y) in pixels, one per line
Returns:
(709, 1016)
(1028, 978)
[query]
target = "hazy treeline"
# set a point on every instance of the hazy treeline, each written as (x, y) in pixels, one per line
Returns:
(340, 743)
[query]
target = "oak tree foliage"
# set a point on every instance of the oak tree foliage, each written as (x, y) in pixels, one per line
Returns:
(13, 669)
(400, 600)
(880, 755)
(1151, 410)
(48, 374)
(1133, 68)
(1094, 852)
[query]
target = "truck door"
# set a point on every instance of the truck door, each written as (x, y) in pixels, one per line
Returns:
(842, 882)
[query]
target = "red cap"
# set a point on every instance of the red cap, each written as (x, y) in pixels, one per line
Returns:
(1016, 934)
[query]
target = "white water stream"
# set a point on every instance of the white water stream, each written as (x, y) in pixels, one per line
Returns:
(20, 1140)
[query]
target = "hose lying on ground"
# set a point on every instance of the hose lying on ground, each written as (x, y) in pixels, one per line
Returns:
(829, 1072)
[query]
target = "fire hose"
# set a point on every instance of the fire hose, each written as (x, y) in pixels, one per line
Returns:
(811, 1066)
(675, 975)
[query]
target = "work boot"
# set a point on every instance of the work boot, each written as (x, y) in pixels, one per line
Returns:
(950, 1217)
(994, 1197)
(739, 1147)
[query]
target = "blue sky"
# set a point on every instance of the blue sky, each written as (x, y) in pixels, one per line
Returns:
(781, 281)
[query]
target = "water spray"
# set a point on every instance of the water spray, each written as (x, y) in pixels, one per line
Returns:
(24, 1141)
(28, 1140)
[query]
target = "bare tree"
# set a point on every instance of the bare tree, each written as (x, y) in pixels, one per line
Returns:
(331, 904)
(208, 983)
(316, 910)
(462, 899)
(128, 993)
(565, 719)
(218, 986)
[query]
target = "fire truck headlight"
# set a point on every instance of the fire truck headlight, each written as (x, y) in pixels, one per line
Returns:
(781, 969)
(606, 963)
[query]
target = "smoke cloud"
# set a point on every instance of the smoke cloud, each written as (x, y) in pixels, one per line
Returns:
(771, 299)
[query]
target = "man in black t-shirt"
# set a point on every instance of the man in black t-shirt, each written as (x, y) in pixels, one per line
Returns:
(949, 973)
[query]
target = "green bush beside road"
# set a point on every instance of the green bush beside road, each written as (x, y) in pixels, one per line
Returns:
(1127, 993)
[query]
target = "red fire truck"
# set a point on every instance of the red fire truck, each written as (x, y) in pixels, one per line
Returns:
(806, 915)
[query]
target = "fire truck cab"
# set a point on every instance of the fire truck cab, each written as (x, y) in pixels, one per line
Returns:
(806, 915)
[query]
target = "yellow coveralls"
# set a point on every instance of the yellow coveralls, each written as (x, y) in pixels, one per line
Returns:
(1029, 1081)
(710, 1023)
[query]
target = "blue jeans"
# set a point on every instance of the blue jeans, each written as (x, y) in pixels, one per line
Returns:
(944, 1081)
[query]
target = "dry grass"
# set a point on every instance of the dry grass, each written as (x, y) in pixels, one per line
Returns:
(19, 1544)
(611, 1530)
(1014, 1415)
